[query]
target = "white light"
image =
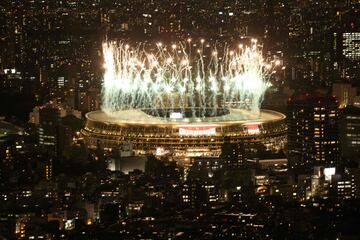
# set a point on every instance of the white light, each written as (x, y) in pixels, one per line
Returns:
(184, 62)
(176, 115)
(136, 78)
(329, 172)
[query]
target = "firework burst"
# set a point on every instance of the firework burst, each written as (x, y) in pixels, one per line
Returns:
(179, 78)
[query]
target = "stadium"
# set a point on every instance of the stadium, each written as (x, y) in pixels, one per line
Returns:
(184, 102)
(184, 137)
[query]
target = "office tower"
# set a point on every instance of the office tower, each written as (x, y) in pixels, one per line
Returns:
(233, 154)
(49, 120)
(349, 132)
(312, 130)
(344, 93)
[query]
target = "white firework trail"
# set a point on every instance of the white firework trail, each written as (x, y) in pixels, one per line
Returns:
(173, 79)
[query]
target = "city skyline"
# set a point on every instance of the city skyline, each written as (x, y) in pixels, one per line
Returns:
(186, 119)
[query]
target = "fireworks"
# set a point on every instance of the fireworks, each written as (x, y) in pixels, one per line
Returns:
(179, 78)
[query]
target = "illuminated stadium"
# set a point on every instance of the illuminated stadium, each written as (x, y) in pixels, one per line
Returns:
(169, 101)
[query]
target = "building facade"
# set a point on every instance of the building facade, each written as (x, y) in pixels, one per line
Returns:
(349, 132)
(313, 130)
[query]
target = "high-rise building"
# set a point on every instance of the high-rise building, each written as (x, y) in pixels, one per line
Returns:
(11, 81)
(351, 45)
(345, 93)
(312, 130)
(233, 154)
(347, 46)
(347, 186)
(349, 132)
(193, 194)
(45, 168)
(345, 189)
(49, 120)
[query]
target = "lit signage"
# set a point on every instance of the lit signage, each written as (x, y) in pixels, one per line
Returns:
(197, 130)
(329, 172)
(252, 128)
(176, 115)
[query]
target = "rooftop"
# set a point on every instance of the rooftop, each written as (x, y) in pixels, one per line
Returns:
(137, 116)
